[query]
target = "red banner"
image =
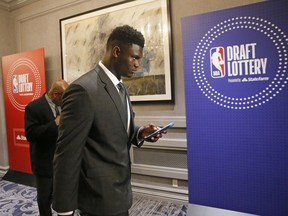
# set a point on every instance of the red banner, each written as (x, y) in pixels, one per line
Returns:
(23, 81)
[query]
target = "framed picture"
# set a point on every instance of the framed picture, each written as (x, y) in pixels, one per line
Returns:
(83, 39)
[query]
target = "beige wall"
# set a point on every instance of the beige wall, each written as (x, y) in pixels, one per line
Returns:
(37, 25)
(6, 47)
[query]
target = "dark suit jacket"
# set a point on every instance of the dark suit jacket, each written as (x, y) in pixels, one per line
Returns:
(41, 132)
(91, 163)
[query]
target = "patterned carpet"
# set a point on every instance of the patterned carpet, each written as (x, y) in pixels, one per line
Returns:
(17, 200)
(20, 200)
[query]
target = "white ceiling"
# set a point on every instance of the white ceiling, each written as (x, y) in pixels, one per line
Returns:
(14, 4)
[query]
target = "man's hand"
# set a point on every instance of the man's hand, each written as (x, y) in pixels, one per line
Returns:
(57, 120)
(146, 130)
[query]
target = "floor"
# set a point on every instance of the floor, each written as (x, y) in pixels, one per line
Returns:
(20, 200)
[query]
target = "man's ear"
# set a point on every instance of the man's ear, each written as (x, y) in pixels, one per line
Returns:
(116, 51)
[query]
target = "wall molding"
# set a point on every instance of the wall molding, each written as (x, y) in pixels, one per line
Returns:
(167, 143)
(179, 121)
(14, 4)
(49, 9)
(159, 171)
(3, 170)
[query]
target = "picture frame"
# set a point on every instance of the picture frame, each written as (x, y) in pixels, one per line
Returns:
(83, 39)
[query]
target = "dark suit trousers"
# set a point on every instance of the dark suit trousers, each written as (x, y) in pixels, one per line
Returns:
(44, 195)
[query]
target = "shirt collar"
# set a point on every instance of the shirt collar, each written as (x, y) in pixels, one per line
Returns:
(48, 99)
(111, 76)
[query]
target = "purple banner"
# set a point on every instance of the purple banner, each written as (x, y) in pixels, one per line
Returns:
(236, 76)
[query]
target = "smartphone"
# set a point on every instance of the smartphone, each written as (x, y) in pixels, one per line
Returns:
(161, 130)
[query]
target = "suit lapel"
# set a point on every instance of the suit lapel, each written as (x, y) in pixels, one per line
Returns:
(113, 93)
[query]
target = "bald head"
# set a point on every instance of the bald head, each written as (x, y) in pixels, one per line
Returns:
(56, 91)
(59, 85)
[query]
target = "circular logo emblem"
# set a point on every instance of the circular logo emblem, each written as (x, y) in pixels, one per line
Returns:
(23, 83)
(241, 63)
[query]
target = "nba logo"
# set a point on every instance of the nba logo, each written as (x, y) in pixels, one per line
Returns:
(217, 67)
(15, 84)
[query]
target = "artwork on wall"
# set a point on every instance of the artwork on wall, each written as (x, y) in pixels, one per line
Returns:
(83, 39)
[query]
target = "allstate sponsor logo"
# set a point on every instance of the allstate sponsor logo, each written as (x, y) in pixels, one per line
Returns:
(20, 138)
(241, 62)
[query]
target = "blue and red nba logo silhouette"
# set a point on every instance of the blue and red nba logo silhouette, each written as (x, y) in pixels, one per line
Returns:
(217, 60)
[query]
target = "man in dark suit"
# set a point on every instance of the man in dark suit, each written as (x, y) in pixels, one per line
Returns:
(41, 129)
(92, 167)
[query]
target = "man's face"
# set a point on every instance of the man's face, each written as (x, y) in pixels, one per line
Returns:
(57, 94)
(57, 97)
(129, 60)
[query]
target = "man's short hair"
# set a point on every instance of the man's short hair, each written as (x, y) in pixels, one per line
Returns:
(126, 34)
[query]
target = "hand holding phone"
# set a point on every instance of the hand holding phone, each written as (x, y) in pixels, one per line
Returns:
(161, 130)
